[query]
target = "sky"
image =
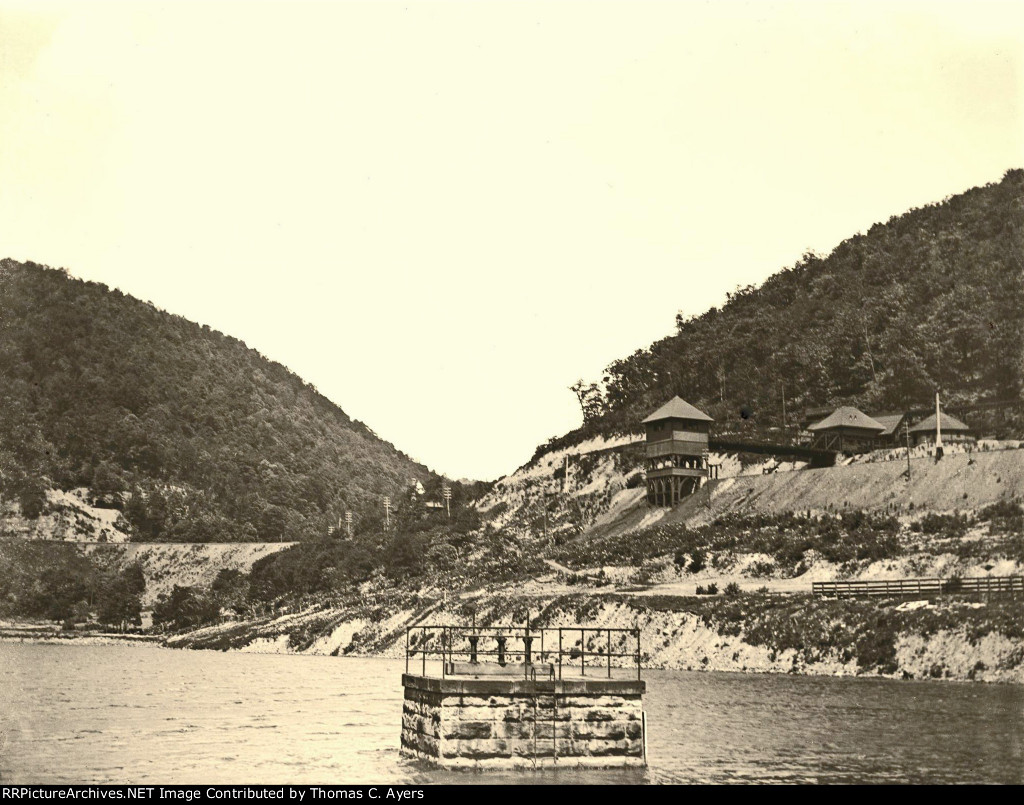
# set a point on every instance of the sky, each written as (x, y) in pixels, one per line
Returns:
(444, 214)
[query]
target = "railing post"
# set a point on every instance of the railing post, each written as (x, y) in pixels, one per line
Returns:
(583, 653)
(407, 649)
(559, 653)
(423, 651)
(609, 653)
(638, 655)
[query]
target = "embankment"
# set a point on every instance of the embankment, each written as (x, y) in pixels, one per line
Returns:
(596, 490)
(166, 564)
(959, 482)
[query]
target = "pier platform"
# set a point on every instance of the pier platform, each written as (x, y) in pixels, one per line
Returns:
(562, 712)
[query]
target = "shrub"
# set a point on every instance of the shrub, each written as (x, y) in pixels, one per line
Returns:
(761, 569)
(945, 525)
(635, 481)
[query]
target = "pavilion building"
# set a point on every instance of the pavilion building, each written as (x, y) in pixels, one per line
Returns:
(676, 452)
(953, 430)
(847, 430)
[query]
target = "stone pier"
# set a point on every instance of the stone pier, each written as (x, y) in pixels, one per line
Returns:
(508, 722)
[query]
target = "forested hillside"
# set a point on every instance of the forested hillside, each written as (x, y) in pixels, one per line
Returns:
(931, 300)
(192, 434)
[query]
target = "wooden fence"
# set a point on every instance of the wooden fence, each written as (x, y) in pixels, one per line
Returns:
(921, 588)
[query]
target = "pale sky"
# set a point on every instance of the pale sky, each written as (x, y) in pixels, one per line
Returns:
(443, 214)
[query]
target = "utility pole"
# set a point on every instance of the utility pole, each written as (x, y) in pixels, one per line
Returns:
(348, 523)
(938, 429)
(446, 492)
(387, 513)
(544, 502)
(906, 432)
(782, 385)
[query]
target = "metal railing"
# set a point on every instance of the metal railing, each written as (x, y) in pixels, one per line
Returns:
(511, 650)
(921, 588)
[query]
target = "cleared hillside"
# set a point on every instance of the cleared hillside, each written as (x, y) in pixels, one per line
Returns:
(165, 565)
(957, 483)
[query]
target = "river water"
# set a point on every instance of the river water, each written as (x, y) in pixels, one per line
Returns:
(144, 714)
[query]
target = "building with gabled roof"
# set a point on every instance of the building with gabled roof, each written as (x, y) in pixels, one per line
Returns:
(953, 430)
(676, 451)
(847, 429)
(893, 424)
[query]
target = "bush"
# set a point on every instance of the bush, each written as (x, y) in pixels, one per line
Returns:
(787, 538)
(184, 608)
(761, 569)
(732, 589)
(32, 498)
(946, 525)
(635, 481)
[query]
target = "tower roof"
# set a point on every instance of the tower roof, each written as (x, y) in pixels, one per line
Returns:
(847, 417)
(678, 408)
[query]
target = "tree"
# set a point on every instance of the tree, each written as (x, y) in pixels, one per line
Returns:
(184, 608)
(590, 399)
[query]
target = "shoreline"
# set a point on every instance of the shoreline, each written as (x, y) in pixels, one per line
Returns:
(683, 644)
(158, 642)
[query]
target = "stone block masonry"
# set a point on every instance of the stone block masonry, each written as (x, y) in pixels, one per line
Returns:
(516, 722)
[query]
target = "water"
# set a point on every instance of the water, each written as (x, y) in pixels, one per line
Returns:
(143, 714)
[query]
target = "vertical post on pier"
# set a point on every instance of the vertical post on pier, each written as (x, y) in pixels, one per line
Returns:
(527, 642)
(559, 653)
(423, 651)
(407, 649)
(609, 653)
(638, 654)
(583, 653)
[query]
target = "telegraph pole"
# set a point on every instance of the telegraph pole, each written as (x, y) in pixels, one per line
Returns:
(387, 513)
(446, 492)
(544, 501)
(348, 523)
(906, 432)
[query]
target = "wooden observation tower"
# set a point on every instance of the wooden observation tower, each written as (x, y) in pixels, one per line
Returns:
(676, 452)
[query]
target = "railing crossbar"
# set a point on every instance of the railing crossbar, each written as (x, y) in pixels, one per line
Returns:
(449, 643)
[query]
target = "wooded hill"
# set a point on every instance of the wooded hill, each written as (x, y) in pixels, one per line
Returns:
(194, 435)
(932, 300)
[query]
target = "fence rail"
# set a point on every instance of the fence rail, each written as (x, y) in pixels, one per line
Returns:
(921, 588)
(533, 652)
